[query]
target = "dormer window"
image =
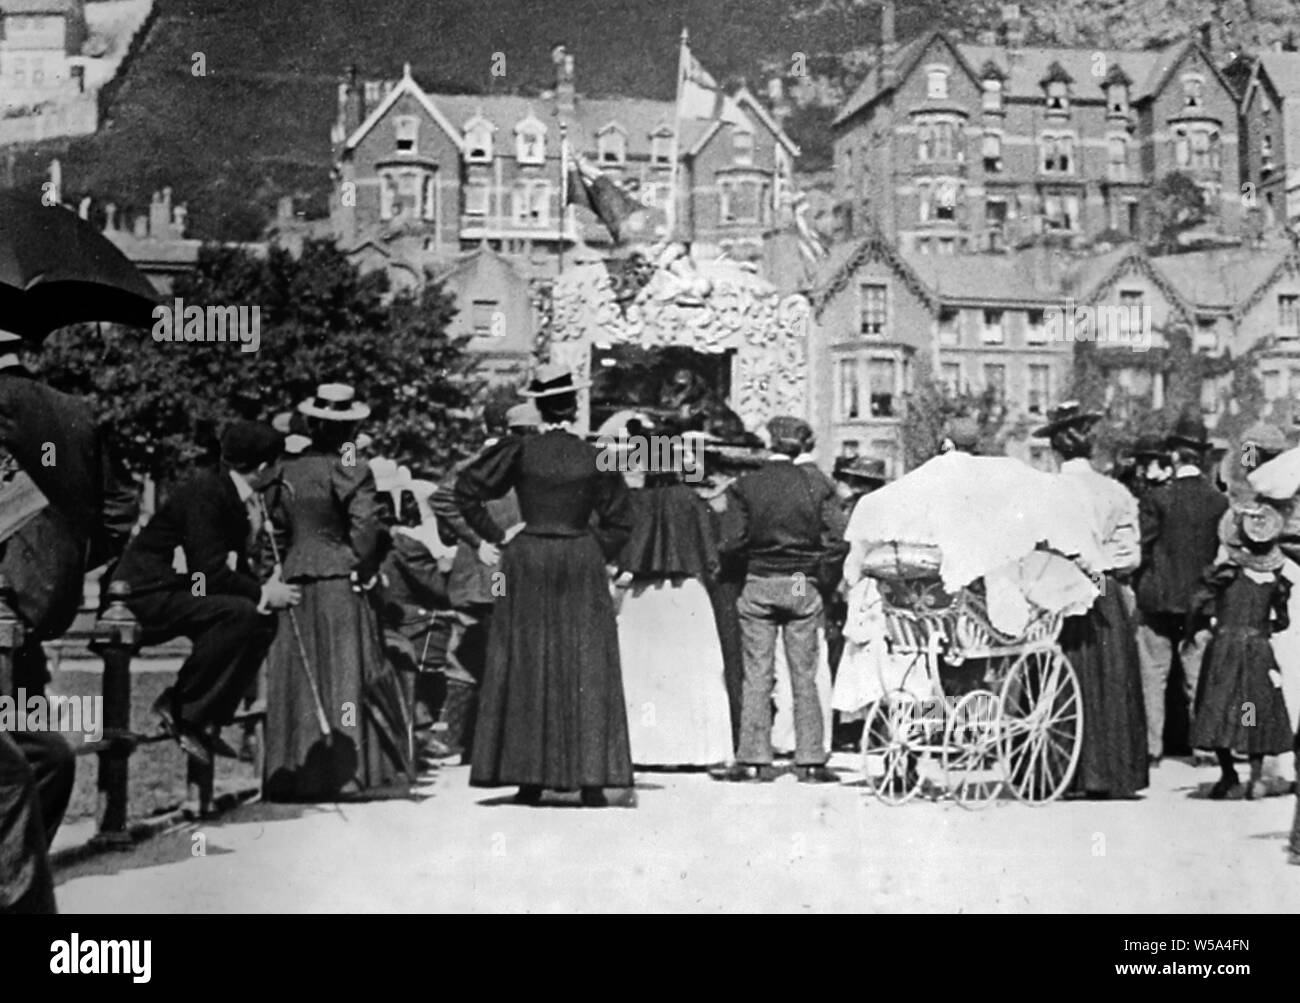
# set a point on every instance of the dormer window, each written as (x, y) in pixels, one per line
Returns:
(1117, 98)
(406, 128)
(611, 145)
(661, 147)
(936, 83)
(530, 141)
(1193, 88)
(992, 94)
(478, 140)
(1058, 96)
(742, 144)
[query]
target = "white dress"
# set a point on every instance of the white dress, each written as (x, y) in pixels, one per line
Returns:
(677, 708)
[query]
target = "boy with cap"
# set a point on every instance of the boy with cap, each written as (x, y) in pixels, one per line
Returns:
(218, 603)
(784, 522)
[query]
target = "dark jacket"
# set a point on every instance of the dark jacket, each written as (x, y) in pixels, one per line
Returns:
(471, 580)
(56, 440)
(1179, 524)
(205, 518)
(785, 518)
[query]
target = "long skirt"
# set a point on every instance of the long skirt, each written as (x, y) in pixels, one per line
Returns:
(677, 708)
(1102, 647)
(1237, 706)
(367, 748)
(551, 710)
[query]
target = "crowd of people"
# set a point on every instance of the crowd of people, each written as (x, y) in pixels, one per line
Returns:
(556, 617)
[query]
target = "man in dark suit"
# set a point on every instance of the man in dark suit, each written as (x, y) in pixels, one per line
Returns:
(1179, 523)
(66, 508)
(217, 602)
(785, 521)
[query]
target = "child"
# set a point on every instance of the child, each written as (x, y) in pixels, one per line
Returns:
(1239, 705)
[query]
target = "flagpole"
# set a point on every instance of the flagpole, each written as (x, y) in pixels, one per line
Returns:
(564, 189)
(682, 56)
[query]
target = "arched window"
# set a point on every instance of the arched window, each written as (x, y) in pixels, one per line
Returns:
(611, 145)
(478, 140)
(530, 141)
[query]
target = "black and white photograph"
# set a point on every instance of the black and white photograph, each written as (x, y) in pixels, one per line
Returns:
(697, 457)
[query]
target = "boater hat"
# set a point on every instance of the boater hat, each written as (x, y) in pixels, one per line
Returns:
(1066, 415)
(334, 402)
(860, 469)
(551, 379)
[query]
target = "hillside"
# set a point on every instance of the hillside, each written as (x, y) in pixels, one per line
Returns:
(257, 125)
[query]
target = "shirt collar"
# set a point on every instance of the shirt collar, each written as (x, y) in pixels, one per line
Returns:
(244, 489)
(1187, 470)
(779, 458)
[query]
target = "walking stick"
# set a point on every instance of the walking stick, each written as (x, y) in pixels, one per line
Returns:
(322, 718)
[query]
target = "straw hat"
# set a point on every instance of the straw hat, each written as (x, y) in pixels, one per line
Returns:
(550, 380)
(1250, 532)
(1068, 414)
(334, 402)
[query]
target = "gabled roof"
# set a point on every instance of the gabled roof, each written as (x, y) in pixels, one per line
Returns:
(1288, 263)
(406, 85)
(986, 278)
(873, 87)
(1182, 51)
(1282, 70)
(1096, 278)
(482, 257)
(1033, 65)
(1224, 278)
(745, 98)
(1056, 73)
(845, 261)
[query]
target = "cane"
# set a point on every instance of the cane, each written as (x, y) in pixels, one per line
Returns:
(322, 718)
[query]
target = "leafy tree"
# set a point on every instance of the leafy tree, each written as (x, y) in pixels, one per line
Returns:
(931, 407)
(321, 321)
(1177, 205)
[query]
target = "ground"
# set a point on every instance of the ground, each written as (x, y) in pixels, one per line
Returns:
(697, 845)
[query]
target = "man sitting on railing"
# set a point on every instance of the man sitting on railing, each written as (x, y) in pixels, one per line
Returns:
(218, 603)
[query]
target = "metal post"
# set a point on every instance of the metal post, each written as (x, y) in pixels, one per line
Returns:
(11, 638)
(117, 637)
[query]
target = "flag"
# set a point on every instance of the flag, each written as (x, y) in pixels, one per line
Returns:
(700, 97)
(588, 186)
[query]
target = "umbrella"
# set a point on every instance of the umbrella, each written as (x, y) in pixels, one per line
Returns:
(56, 269)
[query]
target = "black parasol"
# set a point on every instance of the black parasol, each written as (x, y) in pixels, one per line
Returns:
(56, 269)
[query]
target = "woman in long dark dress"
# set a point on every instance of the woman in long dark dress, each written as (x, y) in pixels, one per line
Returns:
(1101, 644)
(327, 511)
(551, 712)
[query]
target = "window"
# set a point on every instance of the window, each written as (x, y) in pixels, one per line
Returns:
(1207, 339)
(992, 94)
(995, 214)
(850, 392)
(882, 377)
(1117, 98)
(1182, 149)
(1288, 315)
(406, 129)
(937, 141)
(1204, 149)
(1133, 219)
(742, 145)
(873, 309)
(923, 206)
(1057, 154)
(1272, 380)
(487, 319)
(936, 83)
(1130, 314)
(946, 245)
(1266, 153)
(476, 198)
(531, 202)
(530, 142)
(19, 71)
(995, 379)
(1058, 96)
(661, 148)
(991, 332)
(1193, 87)
(992, 152)
(611, 147)
(950, 376)
(1117, 169)
(409, 193)
(949, 327)
(1061, 212)
(478, 141)
(1035, 328)
(1040, 388)
(740, 201)
(945, 200)
(429, 197)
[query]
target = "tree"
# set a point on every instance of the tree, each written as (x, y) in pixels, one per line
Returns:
(321, 320)
(1178, 205)
(931, 407)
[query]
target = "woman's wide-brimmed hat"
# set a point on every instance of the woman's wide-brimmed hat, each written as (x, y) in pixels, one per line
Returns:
(1250, 532)
(860, 469)
(1068, 414)
(1189, 430)
(334, 402)
(550, 380)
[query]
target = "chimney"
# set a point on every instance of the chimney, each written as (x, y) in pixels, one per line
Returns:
(887, 45)
(1013, 26)
(564, 93)
(160, 213)
(1207, 36)
(354, 108)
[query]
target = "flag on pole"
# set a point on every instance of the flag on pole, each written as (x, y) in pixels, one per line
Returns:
(588, 186)
(699, 96)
